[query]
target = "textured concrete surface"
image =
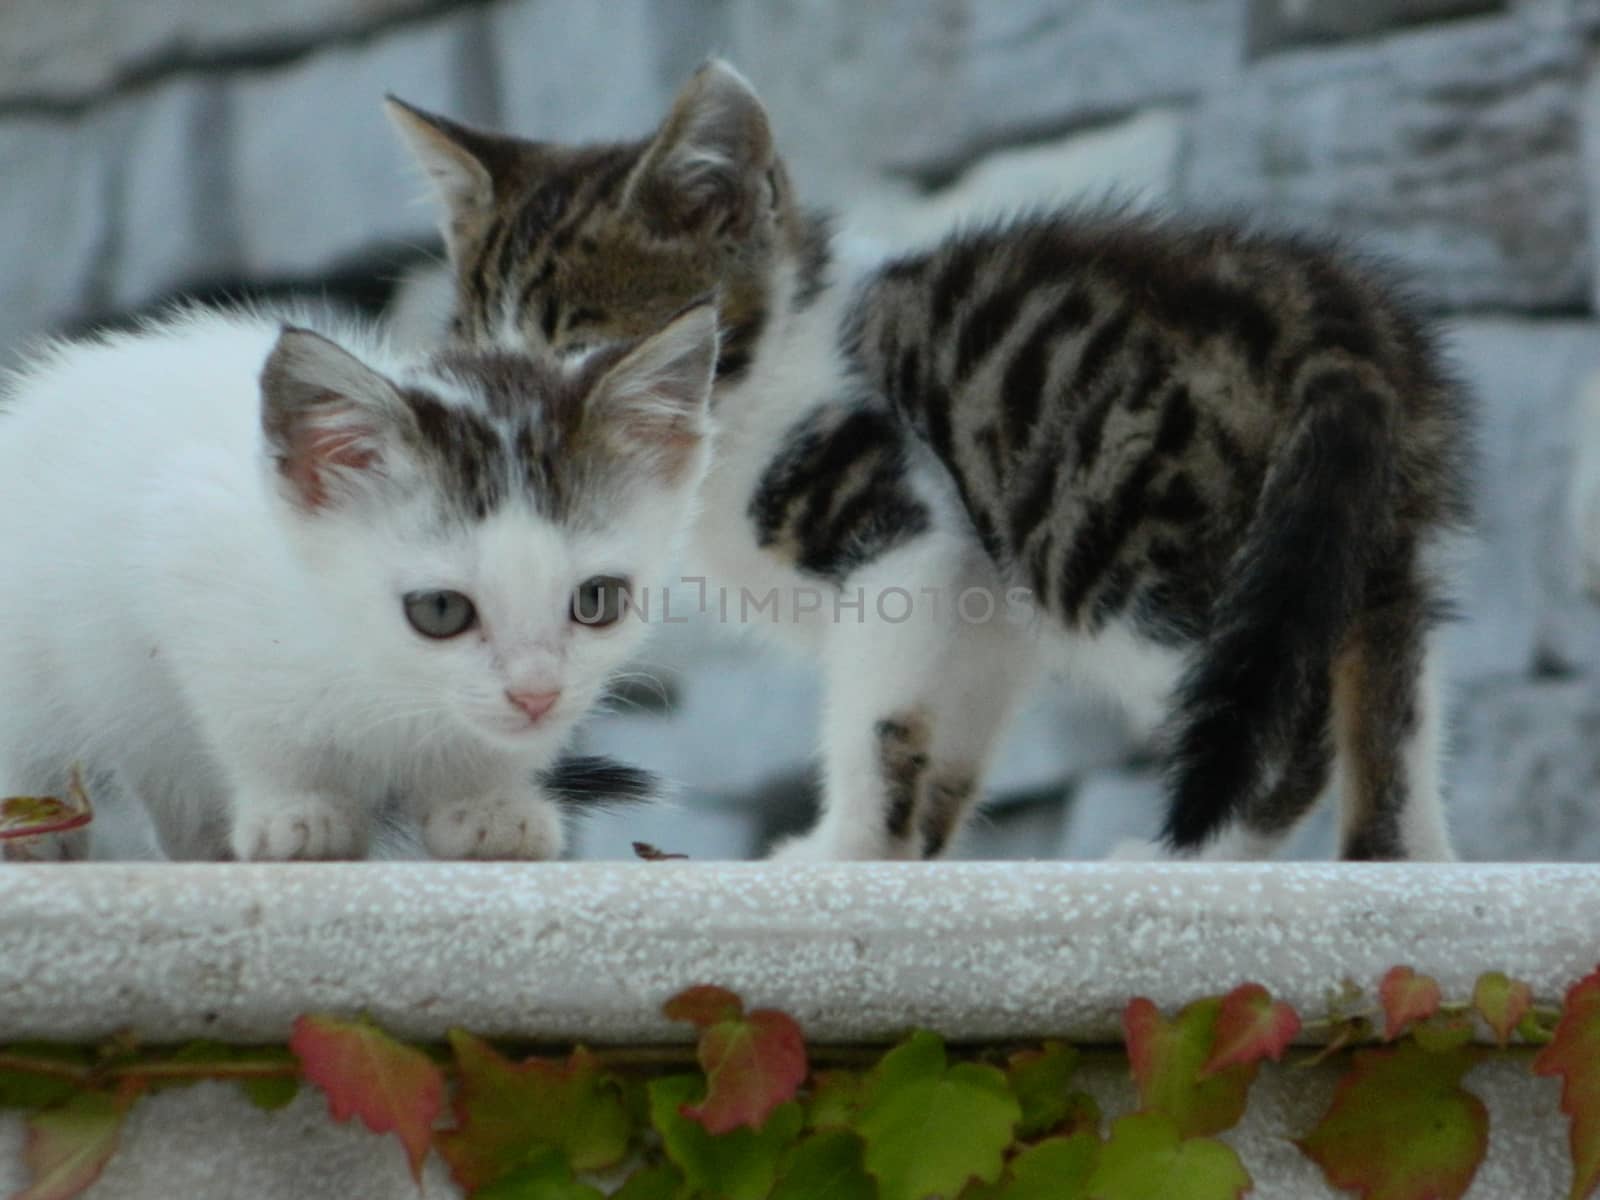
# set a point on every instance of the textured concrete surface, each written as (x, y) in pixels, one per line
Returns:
(1454, 150)
(590, 950)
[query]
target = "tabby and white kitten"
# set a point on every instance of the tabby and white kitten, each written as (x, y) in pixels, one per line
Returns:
(268, 577)
(1214, 459)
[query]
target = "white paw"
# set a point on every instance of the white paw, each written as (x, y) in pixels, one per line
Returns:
(297, 828)
(525, 826)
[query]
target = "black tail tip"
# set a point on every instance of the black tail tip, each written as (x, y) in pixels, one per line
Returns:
(1186, 830)
(587, 780)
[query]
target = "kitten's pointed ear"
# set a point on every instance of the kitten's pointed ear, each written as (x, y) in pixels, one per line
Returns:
(325, 414)
(654, 402)
(708, 163)
(463, 164)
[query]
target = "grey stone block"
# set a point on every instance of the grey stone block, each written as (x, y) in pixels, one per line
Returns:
(1044, 65)
(179, 223)
(1526, 775)
(56, 189)
(1455, 150)
(922, 89)
(66, 53)
(572, 71)
(1590, 110)
(854, 87)
(319, 175)
(1276, 24)
(1519, 587)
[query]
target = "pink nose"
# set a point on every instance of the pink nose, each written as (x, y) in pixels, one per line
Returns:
(535, 704)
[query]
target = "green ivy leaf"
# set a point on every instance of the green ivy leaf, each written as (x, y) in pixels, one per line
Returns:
(1574, 1054)
(1502, 1002)
(828, 1166)
(660, 1182)
(546, 1177)
(1401, 1127)
(1055, 1169)
(1039, 1081)
(69, 1145)
(1443, 1032)
(929, 1127)
(1169, 1060)
(1533, 1030)
(20, 1089)
(505, 1109)
(835, 1096)
(1146, 1157)
(270, 1094)
(36, 1074)
(739, 1165)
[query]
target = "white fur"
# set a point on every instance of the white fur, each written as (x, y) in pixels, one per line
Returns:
(1423, 830)
(243, 666)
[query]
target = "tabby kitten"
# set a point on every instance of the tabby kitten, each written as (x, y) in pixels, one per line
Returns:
(266, 577)
(1213, 461)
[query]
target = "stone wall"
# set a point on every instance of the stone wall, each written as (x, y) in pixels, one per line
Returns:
(154, 149)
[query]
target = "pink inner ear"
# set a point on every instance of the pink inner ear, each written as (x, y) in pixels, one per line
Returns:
(313, 451)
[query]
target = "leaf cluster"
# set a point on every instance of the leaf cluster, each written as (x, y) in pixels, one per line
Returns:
(749, 1118)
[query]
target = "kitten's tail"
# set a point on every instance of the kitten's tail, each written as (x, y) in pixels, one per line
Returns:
(587, 780)
(1292, 590)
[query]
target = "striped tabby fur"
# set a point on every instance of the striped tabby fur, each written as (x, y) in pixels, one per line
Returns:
(1217, 462)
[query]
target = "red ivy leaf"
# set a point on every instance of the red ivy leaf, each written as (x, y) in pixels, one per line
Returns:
(1401, 1126)
(69, 1145)
(503, 1109)
(1406, 997)
(366, 1073)
(753, 1063)
(704, 1006)
(1251, 1026)
(1167, 1057)
(1501, 1002)
(1574, 1054)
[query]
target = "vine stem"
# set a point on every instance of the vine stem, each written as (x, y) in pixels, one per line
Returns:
(1343, 1032)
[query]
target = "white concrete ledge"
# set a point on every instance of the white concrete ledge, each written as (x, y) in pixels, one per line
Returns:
(854, 952)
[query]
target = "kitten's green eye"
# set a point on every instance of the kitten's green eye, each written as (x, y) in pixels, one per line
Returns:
(440, 614)
(599, 601)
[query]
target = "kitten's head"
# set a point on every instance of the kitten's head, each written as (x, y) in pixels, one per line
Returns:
(567, 247)
(478, 522)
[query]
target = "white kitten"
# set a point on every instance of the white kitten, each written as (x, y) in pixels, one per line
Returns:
(267, 577)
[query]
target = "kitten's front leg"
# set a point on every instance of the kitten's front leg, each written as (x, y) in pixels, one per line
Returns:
(514, 820)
